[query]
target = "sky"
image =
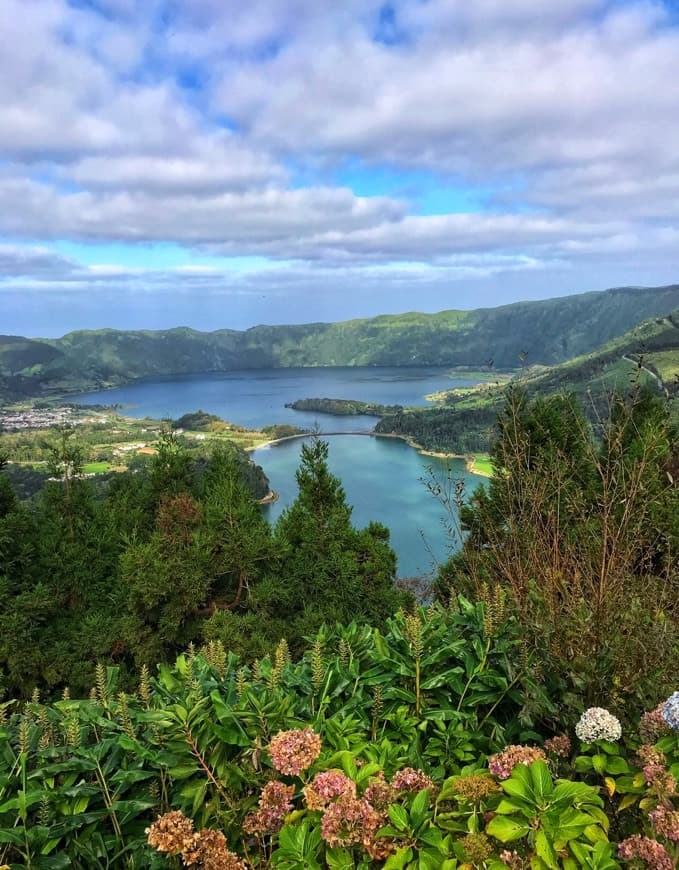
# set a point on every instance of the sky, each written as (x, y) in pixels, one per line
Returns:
(220, 164)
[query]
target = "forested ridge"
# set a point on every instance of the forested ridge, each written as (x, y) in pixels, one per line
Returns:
(543, 332)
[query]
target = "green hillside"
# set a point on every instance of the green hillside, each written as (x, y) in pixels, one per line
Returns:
(463, 420)
(545, 333)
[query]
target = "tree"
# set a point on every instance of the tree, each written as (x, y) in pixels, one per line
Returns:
(581, 532)
(329, 571)
(65, 457)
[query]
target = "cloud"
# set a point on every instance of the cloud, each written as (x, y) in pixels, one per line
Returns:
(224, 126)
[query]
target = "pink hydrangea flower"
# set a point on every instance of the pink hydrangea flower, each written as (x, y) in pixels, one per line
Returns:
(349, 822)
(411, 780)
(665, 822)
(293, 751)
(327, 787)
(652, 852)
(503, 763)
(274, 805)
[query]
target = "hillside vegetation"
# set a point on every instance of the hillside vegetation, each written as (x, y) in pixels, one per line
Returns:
(528, 717)
(545, 332)
(462, 422)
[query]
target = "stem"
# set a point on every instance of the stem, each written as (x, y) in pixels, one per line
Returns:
(208, 771)
(476, 670)
(417, 686)
(109, 804)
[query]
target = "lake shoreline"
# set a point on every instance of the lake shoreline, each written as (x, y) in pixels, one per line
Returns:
(470, 462)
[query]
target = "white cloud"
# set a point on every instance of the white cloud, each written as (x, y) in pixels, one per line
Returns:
(218, 125)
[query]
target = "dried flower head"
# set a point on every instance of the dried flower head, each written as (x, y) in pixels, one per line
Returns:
(349, 822)
(294, 751)
(476, 848)
(559, 746)
(598, 724)
(670, 712)
(665, 822)
(503, 763)
(654, 854)
(327, 787)
(274, 805)
(513, 860)
(171, 832)
(379, 793)
(652, 726)
(411, 780)
(474, 787)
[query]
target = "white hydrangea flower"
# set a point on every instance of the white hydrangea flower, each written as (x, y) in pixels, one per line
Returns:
(670, 711)
(598, 724)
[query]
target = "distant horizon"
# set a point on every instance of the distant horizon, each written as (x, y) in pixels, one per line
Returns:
(56, 334)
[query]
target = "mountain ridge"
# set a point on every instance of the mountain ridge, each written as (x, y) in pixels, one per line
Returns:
(546, 332)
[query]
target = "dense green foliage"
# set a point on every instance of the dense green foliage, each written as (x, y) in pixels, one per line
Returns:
(443, 430)
(175, 551)
(463, 422)
(544, 332)
(314, 728)
(343, 407)
(403, 749)
(583, 533)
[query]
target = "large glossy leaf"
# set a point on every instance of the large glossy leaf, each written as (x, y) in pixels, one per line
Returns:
(506, 829)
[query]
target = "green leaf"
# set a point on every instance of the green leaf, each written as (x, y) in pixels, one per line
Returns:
(399, 817)
(570, 825)
(546, 850)
(506, 830)
(541, 779)
(15, 836)
(617, 765)
(419, 807)
(399, 859)
(339, 859)
(599, 763)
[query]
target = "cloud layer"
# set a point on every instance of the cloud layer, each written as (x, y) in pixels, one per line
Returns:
(263, 130)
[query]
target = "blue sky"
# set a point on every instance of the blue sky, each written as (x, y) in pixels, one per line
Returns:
(219, 164)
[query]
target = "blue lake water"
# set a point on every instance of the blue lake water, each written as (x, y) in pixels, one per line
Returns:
(258, 397)
(381, 476)
(383, 480)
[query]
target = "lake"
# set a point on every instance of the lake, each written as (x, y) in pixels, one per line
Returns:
(258, 397)
(383, 480)
(381, 476)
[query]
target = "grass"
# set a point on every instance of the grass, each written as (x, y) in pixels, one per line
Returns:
(96, 467)
(481, 464)
(666, 363)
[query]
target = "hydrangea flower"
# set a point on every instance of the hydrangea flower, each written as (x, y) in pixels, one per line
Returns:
(503, 763)
(652, 726)
(274, 805)
(379, 793)
(598, 724)
(652, 852)
(411, 780)
(327, 787)
(349, 822)
(293, 751)
(665, 822)
(670, 711)
(560, 746)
